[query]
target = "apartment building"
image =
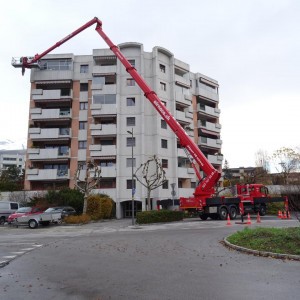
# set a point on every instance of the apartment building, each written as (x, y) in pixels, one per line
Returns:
(12, 158)
(82, 107)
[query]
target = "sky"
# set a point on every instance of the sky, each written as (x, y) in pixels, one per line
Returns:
(251, 47)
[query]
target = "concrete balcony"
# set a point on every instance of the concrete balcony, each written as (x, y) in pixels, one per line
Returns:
(210, 111)
(186, 172)
(215, 127)
(104, 88)
(215, 159)
(50, 114)
(49, 133)
(47, 154)
(108, 172)
(103, 130)
(51, 75)
(47, 174)
(207, 94)
(39, 94)
(181, 152)
(184, 116)
(211, 143)
(183, 99)
(103, 150)
(104, 70)
(103, 109)
(179, 80)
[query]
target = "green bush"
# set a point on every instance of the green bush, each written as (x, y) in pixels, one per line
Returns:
(154, 216)
(273, 208)
(106, 206)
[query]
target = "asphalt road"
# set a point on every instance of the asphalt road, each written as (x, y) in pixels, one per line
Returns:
(113, 260)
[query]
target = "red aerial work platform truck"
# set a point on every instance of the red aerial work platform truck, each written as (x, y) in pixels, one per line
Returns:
(249, 197)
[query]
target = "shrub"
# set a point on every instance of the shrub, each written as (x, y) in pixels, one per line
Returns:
(94, 207)
(154, 216)
(81, 219)
(106, 206)
(273, 208)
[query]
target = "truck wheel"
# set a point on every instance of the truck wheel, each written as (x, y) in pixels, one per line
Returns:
(33, 224)
(203, 217)
(262, 210)
(214, 216)
(223, 213)
(232, 212)
(2, 220)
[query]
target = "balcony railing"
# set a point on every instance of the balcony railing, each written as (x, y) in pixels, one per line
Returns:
(41, 114)
(49, 133)
(40, 94)
(103, 129)
(103, 150)
(48, 154)
(215, 112)
(47, 174)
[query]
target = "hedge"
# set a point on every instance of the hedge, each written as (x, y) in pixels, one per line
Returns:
(158, 216)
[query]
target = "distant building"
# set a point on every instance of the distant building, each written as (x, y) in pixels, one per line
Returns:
(12, 158)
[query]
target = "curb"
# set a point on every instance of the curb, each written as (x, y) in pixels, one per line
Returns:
(262, 253)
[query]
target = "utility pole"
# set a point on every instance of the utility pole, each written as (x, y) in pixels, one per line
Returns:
(132, 182)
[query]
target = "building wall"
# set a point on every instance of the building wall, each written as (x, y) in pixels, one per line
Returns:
(72, 107)
(12, 158)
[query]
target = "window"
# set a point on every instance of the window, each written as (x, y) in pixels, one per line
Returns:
(130, 142)
(165, 185)
(130, 121)
(56, 64)
(130, 101)
(130, 82)
(104, 99)
(163, 124)
(164, 144)
(83, 106)
(193, 185)
(162, 68)
(129, 162)
(82, 125)
(132, 62)
(202, 106)
(82, 144)
(84, 68)
(163, 86)
(129, 184)
(164, 163)
(84, 87)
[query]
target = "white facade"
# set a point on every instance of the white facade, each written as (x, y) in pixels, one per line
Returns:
(12, 158)
(82, 107)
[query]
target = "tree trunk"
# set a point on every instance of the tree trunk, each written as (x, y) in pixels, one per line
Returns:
(148, 200)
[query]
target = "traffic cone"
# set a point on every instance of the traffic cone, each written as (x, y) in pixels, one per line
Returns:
(249, 219)
(258, 218)
(284, 215)
(228, 220)
(288, 215)
(279, 214)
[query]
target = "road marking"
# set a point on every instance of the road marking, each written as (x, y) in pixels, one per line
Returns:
(8, 258)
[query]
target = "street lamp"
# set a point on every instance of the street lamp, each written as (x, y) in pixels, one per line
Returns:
(132, 183)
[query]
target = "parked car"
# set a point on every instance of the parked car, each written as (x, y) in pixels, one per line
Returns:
(64, 210)
(6, 209)
(22, 211)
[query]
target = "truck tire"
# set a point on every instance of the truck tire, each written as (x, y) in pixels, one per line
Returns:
(233, 212)
(262, 210)
(2, 220)
(203, 217)
(33, 224)
(223, 213)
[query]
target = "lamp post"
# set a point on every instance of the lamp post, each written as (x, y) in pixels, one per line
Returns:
(132, 182)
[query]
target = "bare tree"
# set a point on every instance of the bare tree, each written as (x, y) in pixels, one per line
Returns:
(151, 175)
(262, 160)
(90, 181)
(286, 161)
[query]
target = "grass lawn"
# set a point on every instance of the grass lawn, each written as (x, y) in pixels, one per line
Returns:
(276, 240)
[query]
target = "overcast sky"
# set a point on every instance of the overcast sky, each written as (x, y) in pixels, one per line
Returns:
(252, 47)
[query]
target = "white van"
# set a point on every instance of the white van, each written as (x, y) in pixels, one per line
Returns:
(6, 209)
